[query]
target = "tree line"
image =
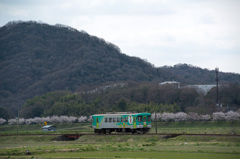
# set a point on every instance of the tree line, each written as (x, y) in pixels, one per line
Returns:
(131, 97)
(165, 117)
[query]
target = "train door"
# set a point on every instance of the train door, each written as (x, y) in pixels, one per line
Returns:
(144, 121)
(97, 124)
(134, 123)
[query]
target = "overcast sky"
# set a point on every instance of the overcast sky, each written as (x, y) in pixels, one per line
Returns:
(204, 33)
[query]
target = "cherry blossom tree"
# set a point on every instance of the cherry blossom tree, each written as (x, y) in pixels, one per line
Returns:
(231, 116)
(167, 116)
(218, 116)
(2, 121)
(63, 119)
(21, 121)
(55, 119)
(38, 120)
(205, 117)
(193, 116)
(29, 121)
(16, 121)
(72, 119)
(46, 119)
(12, 121)
(82, 119)
(158, 116)
(180, 116)
(90, 119)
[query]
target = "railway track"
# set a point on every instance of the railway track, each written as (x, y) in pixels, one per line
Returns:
(121, 134)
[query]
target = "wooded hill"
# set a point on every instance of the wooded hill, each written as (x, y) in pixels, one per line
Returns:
(36, 58)
(132, 97)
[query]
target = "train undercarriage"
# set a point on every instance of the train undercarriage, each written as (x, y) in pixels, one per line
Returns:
(109, 130)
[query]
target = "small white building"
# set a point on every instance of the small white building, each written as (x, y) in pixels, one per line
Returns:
(49, 128)
(172, 83)
(202, 89)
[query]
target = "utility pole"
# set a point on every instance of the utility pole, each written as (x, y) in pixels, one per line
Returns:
(18, 121)
(156, 122)
(217, 100)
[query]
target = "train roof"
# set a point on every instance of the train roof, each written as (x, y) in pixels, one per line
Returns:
(122, 113)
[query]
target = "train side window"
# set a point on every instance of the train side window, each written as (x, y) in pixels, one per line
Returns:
(126, 119)
(106, 120)
(118, 119)
(110, 120)
(149, 118)
(114, 120)
(134, 119)
(122, 119)
(139, 118)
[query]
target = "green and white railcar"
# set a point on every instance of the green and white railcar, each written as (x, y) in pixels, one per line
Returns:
(122, 122)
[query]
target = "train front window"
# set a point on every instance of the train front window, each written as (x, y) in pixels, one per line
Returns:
(139, 118)
(145, 119)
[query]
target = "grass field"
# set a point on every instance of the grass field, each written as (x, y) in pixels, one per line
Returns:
(37, 129)
(221, 127)
(127, 146)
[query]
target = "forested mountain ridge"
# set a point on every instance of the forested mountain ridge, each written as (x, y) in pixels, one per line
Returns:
(190, 74)
(36, 58)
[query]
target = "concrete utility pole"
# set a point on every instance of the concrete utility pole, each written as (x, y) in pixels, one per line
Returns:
(217, 101)
(18, 121)
(156, 122)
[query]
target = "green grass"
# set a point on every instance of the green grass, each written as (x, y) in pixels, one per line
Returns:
(210, 127)
(162, 155)
(42, 146)
(127, 146)
(222, 127)
(37, 129)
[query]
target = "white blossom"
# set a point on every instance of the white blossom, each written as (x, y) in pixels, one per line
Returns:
(29, 121)
(21, 121)
(180, 116)
(2, 121)
(205, 117)
(167, 116)
(55, 119)
(63, 119)
(46, 119)
(231, 116)
(82, 119)
(90, 119)
(158, 116)
(38, 120)
(193, 116)
(72, 119)
(218, 116)
(12, 121)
